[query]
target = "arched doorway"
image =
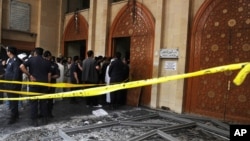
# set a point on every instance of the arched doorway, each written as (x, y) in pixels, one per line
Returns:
(135, 23)
(75, 36)
(220, 36)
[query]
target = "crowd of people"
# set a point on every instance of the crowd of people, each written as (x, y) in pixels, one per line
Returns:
(42, 66)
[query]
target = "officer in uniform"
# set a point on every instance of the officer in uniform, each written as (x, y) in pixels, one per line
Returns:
(13, 73)
(39, 71)
(55, 73)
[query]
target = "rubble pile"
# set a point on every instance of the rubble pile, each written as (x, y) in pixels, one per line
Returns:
(121, 124)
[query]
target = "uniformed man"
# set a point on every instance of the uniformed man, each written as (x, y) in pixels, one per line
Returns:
(13, 73)
(55, 73)
(39, 71)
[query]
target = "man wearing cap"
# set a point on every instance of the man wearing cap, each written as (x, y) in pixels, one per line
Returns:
(13, 73)
(39, 71)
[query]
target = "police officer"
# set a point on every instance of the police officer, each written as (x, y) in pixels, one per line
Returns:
(13, 73)
(55, 73)
(39, 71)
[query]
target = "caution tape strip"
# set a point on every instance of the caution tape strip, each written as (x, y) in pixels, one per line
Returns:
(20, 92)
(241, 76)
(110, 88)
(56, 85)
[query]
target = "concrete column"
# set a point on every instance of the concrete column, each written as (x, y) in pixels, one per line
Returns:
(101, 27)
(39, 11)
(155, 93)
(62, 10)
(92, 25)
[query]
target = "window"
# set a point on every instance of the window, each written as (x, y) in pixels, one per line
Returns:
(116, 1)
(73, 5)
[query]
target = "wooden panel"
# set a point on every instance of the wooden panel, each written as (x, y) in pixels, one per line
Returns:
(141, 63)
(220, 37)
(139, 25)
(133, 96)
(238, 100)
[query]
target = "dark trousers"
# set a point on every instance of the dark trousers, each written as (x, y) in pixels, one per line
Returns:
(50, 106)
(13, 105)
(116, 98)
(1, 96)
(38, 105)
(124, 97)
(91, 100)
(74, 99)
(50, 103)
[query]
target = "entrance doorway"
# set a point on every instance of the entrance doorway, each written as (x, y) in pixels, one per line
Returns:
(75, 48)
(122, 45)
(139, 33)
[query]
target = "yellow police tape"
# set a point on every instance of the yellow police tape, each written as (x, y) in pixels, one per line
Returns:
(20, 92)
(57, 85)
(110, 88)
(238, 80)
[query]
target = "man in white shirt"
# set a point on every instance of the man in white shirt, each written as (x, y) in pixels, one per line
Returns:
(60, 79)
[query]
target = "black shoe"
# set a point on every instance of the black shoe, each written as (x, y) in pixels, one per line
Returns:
(12, 121)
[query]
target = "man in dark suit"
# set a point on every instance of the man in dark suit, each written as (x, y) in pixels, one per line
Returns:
(116, 73)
